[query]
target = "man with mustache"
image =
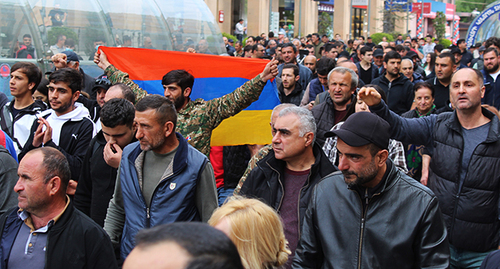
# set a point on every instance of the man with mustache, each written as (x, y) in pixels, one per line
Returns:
(360, 218)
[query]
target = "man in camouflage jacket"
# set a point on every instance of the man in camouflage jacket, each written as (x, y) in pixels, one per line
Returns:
(196, 119)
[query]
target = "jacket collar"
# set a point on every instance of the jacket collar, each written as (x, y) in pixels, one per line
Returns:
(493, 134)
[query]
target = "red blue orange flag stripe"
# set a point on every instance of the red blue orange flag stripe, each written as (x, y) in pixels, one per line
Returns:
(215, 76)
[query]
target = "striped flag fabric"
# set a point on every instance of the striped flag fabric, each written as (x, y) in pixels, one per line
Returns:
(215, 76)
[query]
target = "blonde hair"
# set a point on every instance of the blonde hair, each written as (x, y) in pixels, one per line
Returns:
(256, 230)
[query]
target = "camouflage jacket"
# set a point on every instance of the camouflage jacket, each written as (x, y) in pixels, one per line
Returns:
(198, 118)
(252, 164)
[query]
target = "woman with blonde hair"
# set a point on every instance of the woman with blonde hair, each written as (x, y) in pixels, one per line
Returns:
(256, 230)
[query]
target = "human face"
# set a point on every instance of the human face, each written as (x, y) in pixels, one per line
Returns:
(310, 62)
(148, 43)
(176, 95)
(288, 78)
(379, 60)
(361, 106)
(61, 98)
(237, 46)
(225, 40)
(311, 51)
(424, 100)
(323, 80)
(33, 193)
(164, 255)
(287, 144)
(357, 164)
(428, 58)
(407, 69)
(121, 135)
(39, 96)
(462, 46)
(428, 39)
(465, 90)
(296, 43)
(332, 53)
(368, 57)
(150, 133)
(19, 85)
(101, 94)
(339, 87)
(458, 57)
(250, 41)
(491, 62)
(27, 41)
(261, 51)
(314, 39)
(444, 68)
(288, 55)
(393, 67)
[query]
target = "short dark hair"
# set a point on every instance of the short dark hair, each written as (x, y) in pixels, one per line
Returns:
(290, 44)
(247, 48)
(182, 78)
(69, 76)
(391, 48)
(325, 65)
(31, 71)
(116, 112)
(329, 46)
(429, 36)
(391, 55)
(490, 49)
(492, 41)
(316, 34)
(26, 35)
(208, 247)
(449, 56)
(438, 47)
(127, 92)
(292, 66)
(460, 41)
(420, 85)
(164, 108)
(271, 34)
(55, 164)
(399, 48)
(69, 42)
(365, 49)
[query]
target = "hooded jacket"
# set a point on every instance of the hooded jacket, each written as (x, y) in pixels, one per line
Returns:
(399, 92)
(71, 135)
(294, 97)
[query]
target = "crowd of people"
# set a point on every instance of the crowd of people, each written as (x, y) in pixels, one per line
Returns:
(382, 156)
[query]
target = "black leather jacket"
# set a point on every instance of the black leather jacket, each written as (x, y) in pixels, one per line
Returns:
(400, 228)
(265, 182)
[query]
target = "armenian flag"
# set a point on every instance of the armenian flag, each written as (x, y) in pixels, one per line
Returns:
(215, 76)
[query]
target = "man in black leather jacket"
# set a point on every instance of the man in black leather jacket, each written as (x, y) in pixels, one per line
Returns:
(285, 178)
(371, 215)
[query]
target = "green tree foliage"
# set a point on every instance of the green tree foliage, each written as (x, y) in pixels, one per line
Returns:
(56, 31)
(470, 5)
(440, 24)
(325, 23)
(228, 36)
(445, 42)
(377, 38)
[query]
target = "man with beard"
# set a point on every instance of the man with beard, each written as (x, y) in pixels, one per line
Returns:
(397, 87)
(67, 126)
(366, 224)
(490, 74)
(290, 90)
(196, 118)
(162, 179)
(289, 54)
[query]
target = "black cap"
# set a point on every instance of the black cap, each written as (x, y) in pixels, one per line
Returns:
(230, 40)
(71, 56)
(378, 52)
(363, 128)
(411, 54)
(455, 50)
(102, 82)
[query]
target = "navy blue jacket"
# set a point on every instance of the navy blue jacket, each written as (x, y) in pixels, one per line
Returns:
(492, 93)
(173, 199)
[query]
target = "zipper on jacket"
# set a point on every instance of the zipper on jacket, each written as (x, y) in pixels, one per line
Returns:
(298, 203)
(148, 218)
(363, 218)
(281, 184)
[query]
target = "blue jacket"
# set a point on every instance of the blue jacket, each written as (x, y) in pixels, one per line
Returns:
(492, 93)
(173, 199)
(315, 88)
